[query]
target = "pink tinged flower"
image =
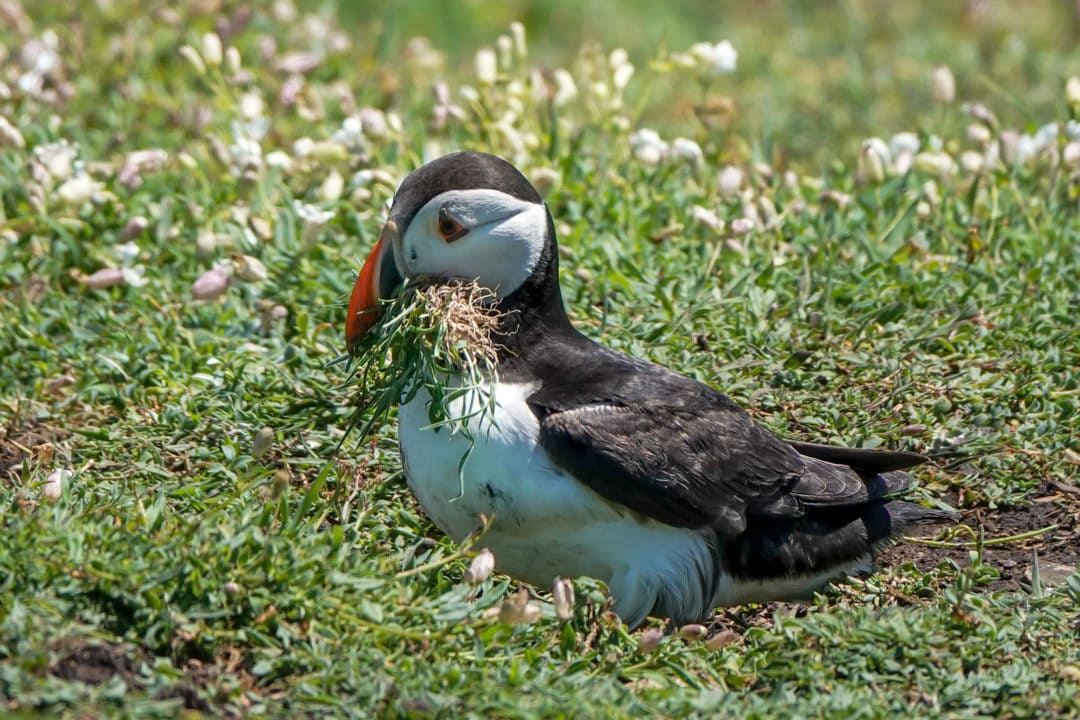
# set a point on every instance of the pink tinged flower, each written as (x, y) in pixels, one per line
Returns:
(649, 640)
(134, 228)
(298, 63)
(742, 226)
(211, 284)
(103, 278)
(707, 218)
(480, 568)
(562, 593)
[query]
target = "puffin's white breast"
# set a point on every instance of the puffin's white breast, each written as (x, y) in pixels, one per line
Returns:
(546, 523)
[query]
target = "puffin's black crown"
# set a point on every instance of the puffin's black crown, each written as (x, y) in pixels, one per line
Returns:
(465, 170)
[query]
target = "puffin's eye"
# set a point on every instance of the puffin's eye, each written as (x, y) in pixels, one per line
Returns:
(449, 228)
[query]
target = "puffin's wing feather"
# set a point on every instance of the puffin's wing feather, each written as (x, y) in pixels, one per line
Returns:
(691, 468)
(870, 461)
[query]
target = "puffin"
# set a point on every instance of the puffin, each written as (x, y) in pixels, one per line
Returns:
(595, 463)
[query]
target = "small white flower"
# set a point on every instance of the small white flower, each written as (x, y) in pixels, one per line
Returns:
(971, 162)
(134, 276)
(351, 133)
(332, 187)
(232, 60)
(194, 59)
(1046, 136)
(944, 85)
(622, 76)
(211, 49)
(312, 215)
(264, 437)
(279, 159)
(480, 568)
(688, 150)
(10, 135)
(54, 484)
(58, 158)
(249, 269)
(1071, 154)
(905, 142)
(874, 158)
(742, 225)
(730, 181)
(565, 87)
(562, 592)
(79, 190)
(715, 60)
(504, 46)
(648, 147)
(487, 66)
(374, 122)
(545, 179)
(302, 147)
(517, 32)
(127, 253)
(978, 133)
(708, 218)
(1072, 129)
(935, 163)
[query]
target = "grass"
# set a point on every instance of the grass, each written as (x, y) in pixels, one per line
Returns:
(215, 552)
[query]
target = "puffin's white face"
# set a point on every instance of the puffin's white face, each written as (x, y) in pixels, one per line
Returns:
(483, 235)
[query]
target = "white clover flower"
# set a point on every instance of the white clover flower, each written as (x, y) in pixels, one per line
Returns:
(487, 66)
(715, 60)
(103, 278)
(211, 49)
(687, 150)
(730, 181)
(332, 187)
(648, 147)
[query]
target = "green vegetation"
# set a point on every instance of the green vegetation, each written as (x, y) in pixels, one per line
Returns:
(180, 224)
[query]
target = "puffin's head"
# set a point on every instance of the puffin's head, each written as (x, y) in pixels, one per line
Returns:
(466, 215)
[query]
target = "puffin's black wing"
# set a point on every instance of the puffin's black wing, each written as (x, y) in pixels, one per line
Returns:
(682, 453)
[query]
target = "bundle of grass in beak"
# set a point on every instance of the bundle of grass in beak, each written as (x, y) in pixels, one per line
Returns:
(432, 336)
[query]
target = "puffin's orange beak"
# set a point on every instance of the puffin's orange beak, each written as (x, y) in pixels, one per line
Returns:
(378, 280)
